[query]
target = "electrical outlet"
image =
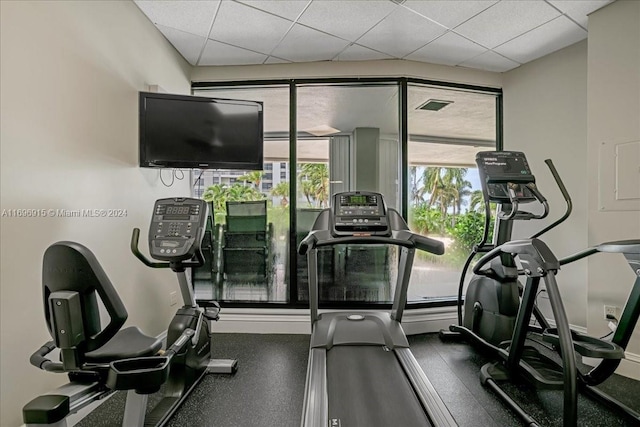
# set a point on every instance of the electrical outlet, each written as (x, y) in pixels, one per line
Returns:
(610, 310)
(173, 298)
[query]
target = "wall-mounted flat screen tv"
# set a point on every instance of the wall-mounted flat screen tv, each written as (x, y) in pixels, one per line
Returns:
(179, 131)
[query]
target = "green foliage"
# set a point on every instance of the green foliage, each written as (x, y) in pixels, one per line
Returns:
(314, 183)
(220, 194)
(468, 229)
(425, 220)
(282, 190)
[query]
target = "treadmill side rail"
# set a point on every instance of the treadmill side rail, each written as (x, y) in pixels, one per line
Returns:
(315, 410)
(433, 404)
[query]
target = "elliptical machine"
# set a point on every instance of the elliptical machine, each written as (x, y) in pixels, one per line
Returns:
(498, 308)
(101, 360)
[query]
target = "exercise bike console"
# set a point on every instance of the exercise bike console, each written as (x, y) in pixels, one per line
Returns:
(176, 226)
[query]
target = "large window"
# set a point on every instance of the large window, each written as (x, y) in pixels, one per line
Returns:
(447, 127)
(412, 141)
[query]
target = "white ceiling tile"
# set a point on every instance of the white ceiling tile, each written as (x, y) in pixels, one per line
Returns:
(289, 9)
(249, 28)
(306, 44)
(449, 13)
(194, 17)
(188, 45)
(490, 61)
(547, 38)
(216, 53)
(401, 33)
(579, 9)
(506, 20)
(450, 49)
(346, 19)
(360, 53)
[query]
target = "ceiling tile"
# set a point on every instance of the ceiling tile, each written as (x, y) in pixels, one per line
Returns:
(401, 33)
(289, 9)
(194, 17)
(249, 28)
(578, 10)
(450, 13)
(547, 38)
(346, 19)
(450, 49)
(490, 61)
(307, 44)
(360, 53)
(188, 45)
(216, 53)
(506, 20)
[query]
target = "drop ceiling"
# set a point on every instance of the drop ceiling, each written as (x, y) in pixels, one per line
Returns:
(488, 35)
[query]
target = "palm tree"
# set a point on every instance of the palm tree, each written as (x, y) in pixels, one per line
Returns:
(239, 193)
(253, 177)
(281, 190)
(216, 193)
(476, 202)
(432, 179)
(314, 179)
(417, 192)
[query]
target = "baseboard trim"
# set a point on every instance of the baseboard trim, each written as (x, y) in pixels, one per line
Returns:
(293, 321)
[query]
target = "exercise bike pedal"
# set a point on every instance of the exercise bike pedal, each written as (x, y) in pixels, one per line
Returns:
(211, 310)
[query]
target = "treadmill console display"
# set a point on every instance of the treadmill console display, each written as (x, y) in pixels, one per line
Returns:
(175, 225)
(498, 169)
(359, 213)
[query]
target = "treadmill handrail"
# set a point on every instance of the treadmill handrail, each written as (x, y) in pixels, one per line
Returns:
(404, 238)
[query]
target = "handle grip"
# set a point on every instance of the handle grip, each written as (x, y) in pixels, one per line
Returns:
(135, 237)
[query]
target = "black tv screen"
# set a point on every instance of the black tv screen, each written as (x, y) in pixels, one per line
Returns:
(196, 132)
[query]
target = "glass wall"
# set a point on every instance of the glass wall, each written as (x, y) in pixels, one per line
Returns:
(348, 139)
(447, 128)
(250, 249)
(412, 141)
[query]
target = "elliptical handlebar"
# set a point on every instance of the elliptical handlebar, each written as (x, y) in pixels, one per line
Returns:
(514, 213)
(534, 254)
(565, 194)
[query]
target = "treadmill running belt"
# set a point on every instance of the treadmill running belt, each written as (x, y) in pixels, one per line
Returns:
(367, 387)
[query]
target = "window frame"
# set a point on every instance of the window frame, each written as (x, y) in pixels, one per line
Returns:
(403, 84)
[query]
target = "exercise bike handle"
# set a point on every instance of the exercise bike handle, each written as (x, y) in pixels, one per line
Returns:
(135, 237)
(198, 262)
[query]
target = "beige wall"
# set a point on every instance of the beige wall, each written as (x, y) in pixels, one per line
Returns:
(613, 113)
(387, 68)
(568, 106)
(70, 73)
(545, 115)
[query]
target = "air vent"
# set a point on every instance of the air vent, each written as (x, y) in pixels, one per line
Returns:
(434, 105)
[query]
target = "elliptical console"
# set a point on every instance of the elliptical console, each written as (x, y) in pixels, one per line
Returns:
(507, 179)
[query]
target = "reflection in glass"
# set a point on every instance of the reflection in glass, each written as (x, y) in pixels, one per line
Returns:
(444, 193)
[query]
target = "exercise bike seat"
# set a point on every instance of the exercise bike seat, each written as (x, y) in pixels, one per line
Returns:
(126, 343)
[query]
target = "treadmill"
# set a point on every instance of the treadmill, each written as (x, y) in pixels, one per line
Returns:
(361, 371)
